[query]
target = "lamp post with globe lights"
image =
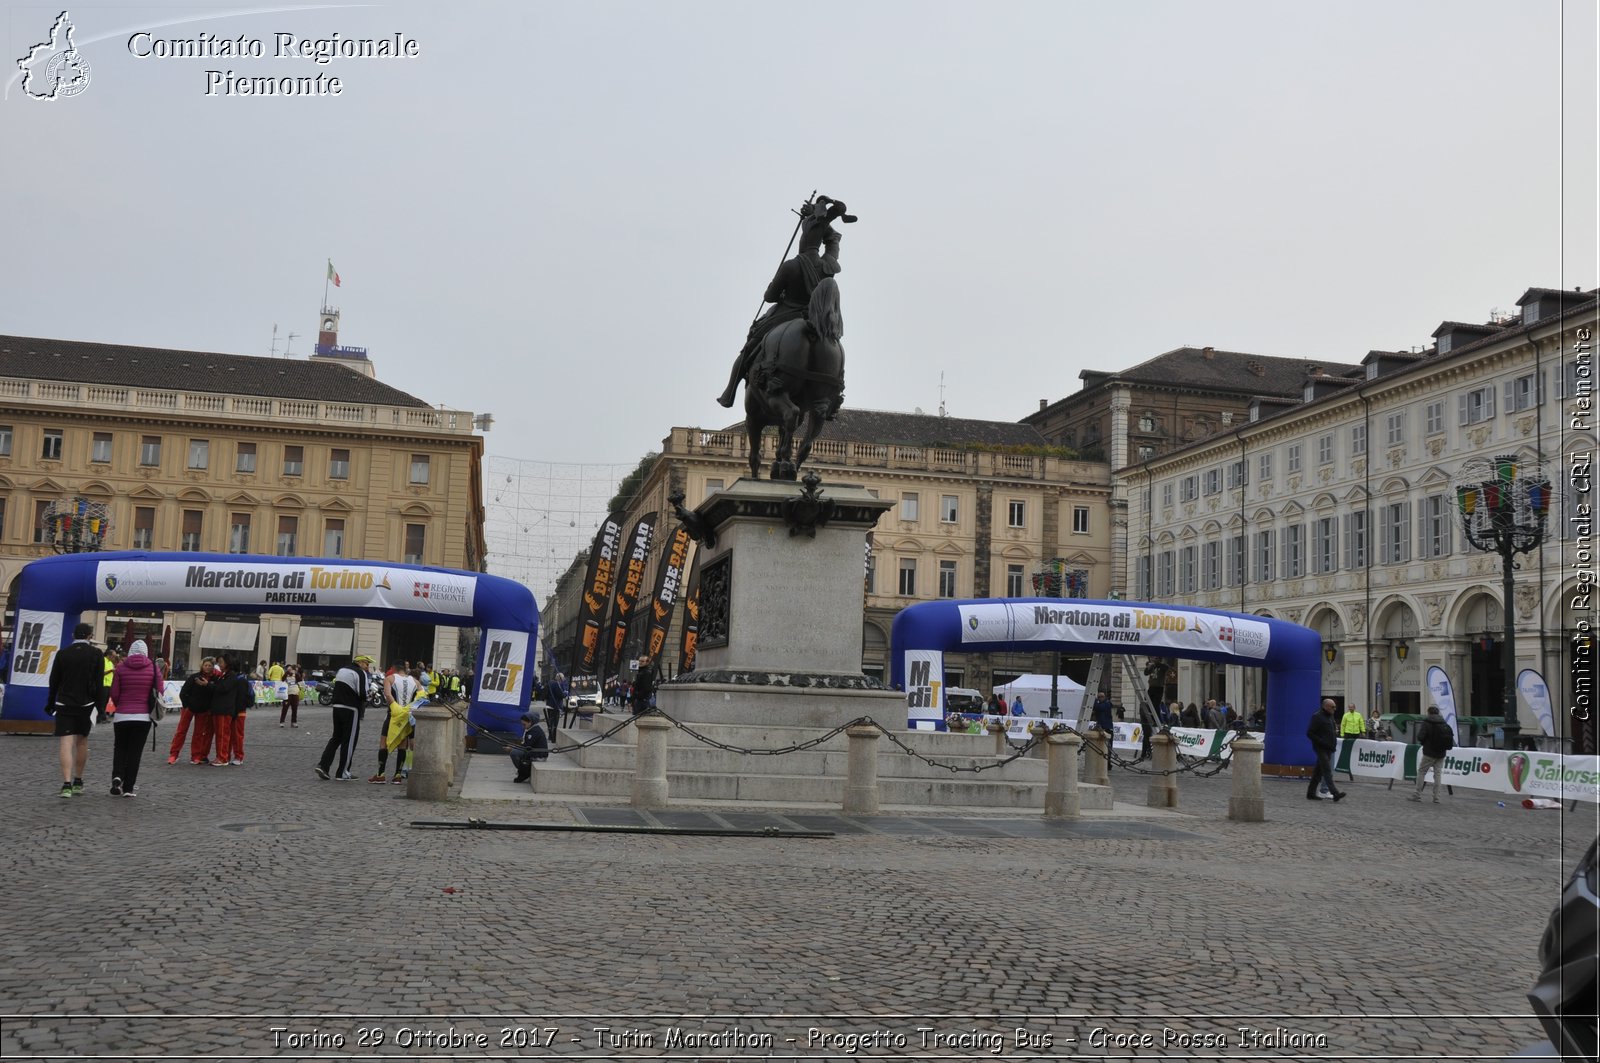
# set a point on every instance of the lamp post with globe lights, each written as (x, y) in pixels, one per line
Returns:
(1505, 505)
(76, 525)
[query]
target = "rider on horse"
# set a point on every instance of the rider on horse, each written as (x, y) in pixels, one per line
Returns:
(791, 287)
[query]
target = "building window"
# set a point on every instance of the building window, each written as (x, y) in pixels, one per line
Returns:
(1394, 533)
(1013, 581)
(338, 465)
(1147, 423)
(948, 509)
(1016, 514)
(150, 451)
(1164, 574)
(712, 487)
(199, 454)
(1476, 406)
(1355, 539)
(1293, 463)
(191, 530)
(100, 448)
(1325, 449)
(1188, 489)
(1142, 588)
(39, 533)
(1211, 566)
(1166, 494)
(1213, 481)
(1438, 514)
(51, 450)
(1525, 392)
(239, 533)
(333, 537)
(1080, 520)
(1146, 452)
(419, 469)
(144, 527)
(244, 459)
(1237, 473)
(294, 461)
(1358, 440)
(288, 532)
(871, 581)
(1236, 561)
(1294, 551)
(908, 505)
(1264, 467)
(1186, 570)
(1435, 416)
(1324, 545)
(908, 577)
(1265, 565)
(5, 441)
(947, 579)
(1395, 429)
(416, 540)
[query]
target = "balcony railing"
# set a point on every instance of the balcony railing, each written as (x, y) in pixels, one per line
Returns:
(235, 407)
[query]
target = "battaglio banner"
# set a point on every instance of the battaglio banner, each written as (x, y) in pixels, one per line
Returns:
(347, 584)
(1130, 628)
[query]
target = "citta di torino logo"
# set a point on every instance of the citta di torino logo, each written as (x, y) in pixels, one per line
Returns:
(54, 69)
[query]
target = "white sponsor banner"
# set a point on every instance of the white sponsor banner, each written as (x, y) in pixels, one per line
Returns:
(1477, 769)
(352, 585)
(1566, 778)
(1130, 628)
(35, 645)
(1536, 693)
(504, 653)
(924, 688)
(1372, 760)
(1444, 696)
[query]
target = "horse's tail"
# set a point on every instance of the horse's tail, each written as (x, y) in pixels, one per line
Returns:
(823, 310)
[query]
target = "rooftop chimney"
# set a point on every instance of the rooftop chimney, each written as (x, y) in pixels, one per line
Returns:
(1208, 353)
(1042, 404)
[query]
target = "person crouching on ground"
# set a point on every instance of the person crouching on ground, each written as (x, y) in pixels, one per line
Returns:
(195, 697)
(133, 685)
(534, 747)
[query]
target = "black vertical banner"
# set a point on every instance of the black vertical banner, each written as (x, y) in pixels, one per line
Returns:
(669, 579)
(630, 580)
(597, 586)
(691, 619)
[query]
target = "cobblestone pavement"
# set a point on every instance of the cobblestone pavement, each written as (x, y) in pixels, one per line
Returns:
(1374, 928)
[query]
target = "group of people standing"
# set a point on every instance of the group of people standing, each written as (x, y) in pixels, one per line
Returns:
(213, 701)
(403, 686)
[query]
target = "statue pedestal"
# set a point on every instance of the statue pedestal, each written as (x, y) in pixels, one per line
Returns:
(780, 610)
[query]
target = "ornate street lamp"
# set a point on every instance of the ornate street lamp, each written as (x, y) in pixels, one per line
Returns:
(76, 525)
(1504, 506)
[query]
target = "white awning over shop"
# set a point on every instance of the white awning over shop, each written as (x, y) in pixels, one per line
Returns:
(328, 640)
(223, 635)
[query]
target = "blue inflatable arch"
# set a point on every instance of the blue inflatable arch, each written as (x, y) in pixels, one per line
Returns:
(1291, 654)
(54, 591)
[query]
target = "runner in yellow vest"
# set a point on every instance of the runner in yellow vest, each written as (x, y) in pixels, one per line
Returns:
(1352, 724)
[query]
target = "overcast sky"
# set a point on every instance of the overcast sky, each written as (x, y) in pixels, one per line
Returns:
(565, 213)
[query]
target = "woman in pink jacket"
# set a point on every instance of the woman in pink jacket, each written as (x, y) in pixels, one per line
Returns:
(131, 686)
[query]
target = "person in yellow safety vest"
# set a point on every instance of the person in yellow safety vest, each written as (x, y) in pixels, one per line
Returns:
(111, 667)
(1352, 724)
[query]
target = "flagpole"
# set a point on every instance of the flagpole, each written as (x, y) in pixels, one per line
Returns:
(325, 277)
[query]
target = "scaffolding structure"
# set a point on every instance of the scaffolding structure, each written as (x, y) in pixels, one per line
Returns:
(538, 515)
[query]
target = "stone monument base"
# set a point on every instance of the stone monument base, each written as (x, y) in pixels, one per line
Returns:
(819, 707)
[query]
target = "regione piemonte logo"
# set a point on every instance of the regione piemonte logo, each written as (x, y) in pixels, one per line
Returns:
(54, 68)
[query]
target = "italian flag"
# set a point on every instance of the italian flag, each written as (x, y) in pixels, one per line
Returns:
(333, 274)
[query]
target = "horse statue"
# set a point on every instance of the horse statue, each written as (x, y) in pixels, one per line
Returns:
(799, 377)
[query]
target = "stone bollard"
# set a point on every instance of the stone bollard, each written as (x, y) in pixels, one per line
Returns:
(861, 781)
(430, 757)
(1163, 792)
(1040, 731)
(650, 763)
(1061, 776)
(1095, 744)
(997, 731)
(1246, 803)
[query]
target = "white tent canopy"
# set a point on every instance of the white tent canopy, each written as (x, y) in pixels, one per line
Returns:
(1035, 691)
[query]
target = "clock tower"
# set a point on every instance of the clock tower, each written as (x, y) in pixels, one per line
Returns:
(328, 348)
(328, 328)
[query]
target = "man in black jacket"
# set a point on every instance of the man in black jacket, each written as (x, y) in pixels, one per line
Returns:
(534, 747)
(1436, 739)
(77, 691)
(1324, 734)
(350, 686)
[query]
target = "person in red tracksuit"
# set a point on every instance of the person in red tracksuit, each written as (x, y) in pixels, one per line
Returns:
(231, 697)
(195, 697)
